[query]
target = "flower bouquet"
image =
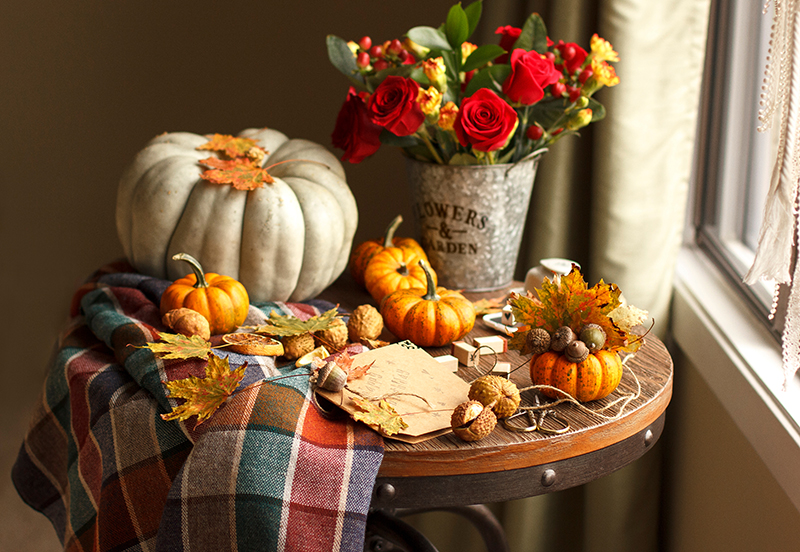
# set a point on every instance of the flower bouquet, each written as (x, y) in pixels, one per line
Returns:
(443, 99)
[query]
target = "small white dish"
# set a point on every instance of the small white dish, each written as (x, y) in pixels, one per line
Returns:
(494, 321)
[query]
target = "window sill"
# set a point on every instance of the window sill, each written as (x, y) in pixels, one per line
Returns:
(741, 362)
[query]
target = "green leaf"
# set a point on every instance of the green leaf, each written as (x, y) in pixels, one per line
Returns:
(429, 38)
(548, 112)
(533, 35)
(598, 111)
(456, 27)
(473, 12)
(389, 139)
(342, 57)
(373, 81)
(483, 55)
(491, 78)
(463, 159)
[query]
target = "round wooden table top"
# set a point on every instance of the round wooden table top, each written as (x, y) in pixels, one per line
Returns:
(598, 441)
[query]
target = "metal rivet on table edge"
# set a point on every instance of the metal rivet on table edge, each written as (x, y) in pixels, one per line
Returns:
(548, 477)
(648, 438)
(386, 491)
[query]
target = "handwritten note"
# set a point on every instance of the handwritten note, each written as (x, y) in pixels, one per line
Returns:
(402, 373)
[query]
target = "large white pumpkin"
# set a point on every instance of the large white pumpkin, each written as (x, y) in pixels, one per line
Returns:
(288, 240)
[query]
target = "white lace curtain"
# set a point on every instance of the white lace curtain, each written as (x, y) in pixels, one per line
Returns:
(780, 102)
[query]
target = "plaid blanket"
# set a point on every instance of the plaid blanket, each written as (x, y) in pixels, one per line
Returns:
(265, 472)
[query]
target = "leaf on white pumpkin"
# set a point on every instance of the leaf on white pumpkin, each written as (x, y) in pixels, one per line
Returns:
(242, 173)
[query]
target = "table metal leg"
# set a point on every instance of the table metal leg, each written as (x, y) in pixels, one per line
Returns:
(386, 532)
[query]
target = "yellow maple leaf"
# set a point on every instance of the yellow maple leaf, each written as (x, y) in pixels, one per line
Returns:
(382, 416)
(569, 301)
(230, 146)
(204, 395)
(180, 346)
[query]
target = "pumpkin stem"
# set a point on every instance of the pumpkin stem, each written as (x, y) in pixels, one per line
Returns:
(196, 268)
(431, 294)
(390, 230)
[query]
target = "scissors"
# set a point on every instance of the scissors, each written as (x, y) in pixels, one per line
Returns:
(535, 421)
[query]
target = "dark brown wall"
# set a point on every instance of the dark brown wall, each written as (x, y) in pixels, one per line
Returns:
(83, 85)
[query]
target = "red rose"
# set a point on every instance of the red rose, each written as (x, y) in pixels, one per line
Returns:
(394, 106)
(485, 121)
(355, 133)
(530, 74)
(508, 36)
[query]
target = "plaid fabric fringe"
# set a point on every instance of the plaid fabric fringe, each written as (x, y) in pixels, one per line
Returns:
(266, 472)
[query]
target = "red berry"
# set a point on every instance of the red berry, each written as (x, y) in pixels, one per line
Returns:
(568, 52)
(574, 93)
(380, 65)
(585, 74)
(376, 51)
(557, 89)
(395, 47)
(550, 55)
(534, 132)
(365, 43)
(362, 60)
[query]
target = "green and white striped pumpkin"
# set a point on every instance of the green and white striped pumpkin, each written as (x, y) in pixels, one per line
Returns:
(285, 241)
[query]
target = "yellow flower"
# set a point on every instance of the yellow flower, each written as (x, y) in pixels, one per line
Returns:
(429, 101)
(602, 50)
(580, 119)
(434, 69)
(466, 49)
(447, 116)
(416, 49)
(604, 74)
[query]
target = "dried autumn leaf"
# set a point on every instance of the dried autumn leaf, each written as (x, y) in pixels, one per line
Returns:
(230, 146)
(180, 346)
(486, 306)
(572, 303)
(204, 395)
(289, 325)
(241, 173)
(359, 371)
(628, 316)
(381, 417)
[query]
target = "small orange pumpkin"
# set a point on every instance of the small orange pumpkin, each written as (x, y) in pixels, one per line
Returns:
(222, 300)
(428, 317)
(392, 269)
(362, 254)
(594, 378)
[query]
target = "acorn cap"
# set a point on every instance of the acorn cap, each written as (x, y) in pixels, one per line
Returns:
(537, 341)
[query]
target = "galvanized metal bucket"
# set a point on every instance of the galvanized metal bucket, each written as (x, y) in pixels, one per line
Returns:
(470, 219)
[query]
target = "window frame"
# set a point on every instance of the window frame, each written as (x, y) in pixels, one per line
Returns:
(724, 148)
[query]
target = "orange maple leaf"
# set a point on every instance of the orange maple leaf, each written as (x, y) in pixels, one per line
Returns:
(241, 173)
(204, 395)
(570, 302)
(230, 146)
(382, 416)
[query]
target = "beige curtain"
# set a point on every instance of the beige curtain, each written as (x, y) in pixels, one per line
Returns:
(615, 201)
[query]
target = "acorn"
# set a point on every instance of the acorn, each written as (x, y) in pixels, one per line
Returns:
(501, 392)
(365, 322)
(295, 346)
(577, 351)
(187, 322)
(472, 421)
(562, 337)
(331, 377)
(537, 341)
(335, 336)
(594, 336)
